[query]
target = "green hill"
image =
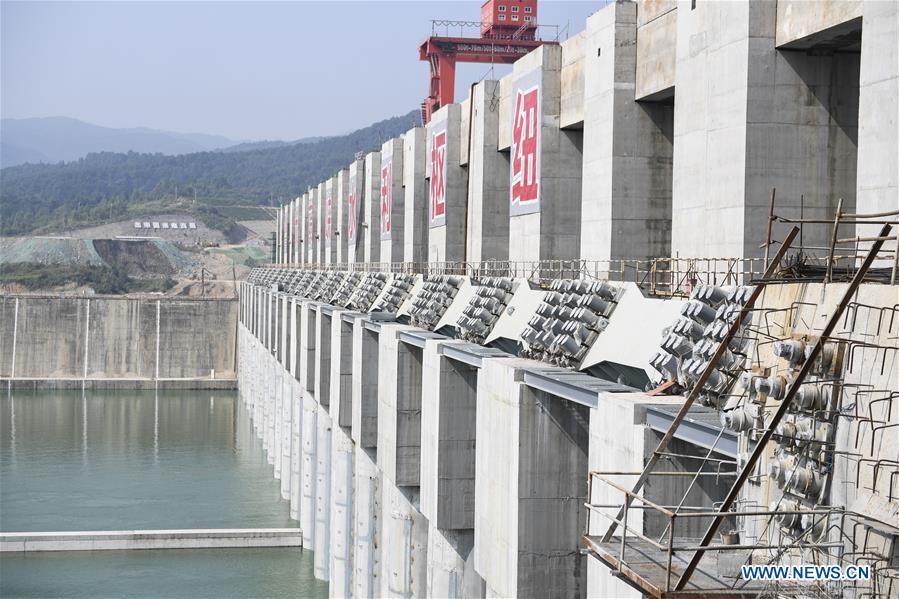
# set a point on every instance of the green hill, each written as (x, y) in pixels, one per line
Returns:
(110, 186)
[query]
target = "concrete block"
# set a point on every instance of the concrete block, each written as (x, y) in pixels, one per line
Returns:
(371, 209)
(415, 236)
(399, 407)
(878, 126)
(309, 441)
(355, 216)
(447, 186)
(451, 570)
(296, 449)
(404, 547)
(342, 491)
(572, 82)
(341, 402)
(627, 167)
(656, 54)
(545, 163)
(531, 467)
(323, 357)
(365, 386)
(448, 425)
(367, 516)
(488, 180)
(322, 538)
(393, 212)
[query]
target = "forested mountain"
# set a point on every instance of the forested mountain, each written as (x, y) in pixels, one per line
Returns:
(107, 186)
(57, 139)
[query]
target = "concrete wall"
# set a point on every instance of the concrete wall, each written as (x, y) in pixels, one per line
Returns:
(415, 195)
(392, 206)
(627, 149)
(339, 216)
(487, 236)
(117, 338)
(355, 233)
(545, 175)
(878, 126)
(447, 186)
(371, 209)
(664, 115)
(656, 44)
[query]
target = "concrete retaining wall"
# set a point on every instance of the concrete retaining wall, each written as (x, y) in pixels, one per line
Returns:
(106, 340)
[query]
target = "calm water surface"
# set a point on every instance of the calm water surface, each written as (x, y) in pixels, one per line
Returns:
(118, 460)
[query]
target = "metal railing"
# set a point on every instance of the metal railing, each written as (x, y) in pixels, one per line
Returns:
(661, 277)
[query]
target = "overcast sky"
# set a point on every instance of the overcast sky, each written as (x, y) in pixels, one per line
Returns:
(246, 70)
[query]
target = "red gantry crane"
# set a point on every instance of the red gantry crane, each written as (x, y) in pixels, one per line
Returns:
(508, 31)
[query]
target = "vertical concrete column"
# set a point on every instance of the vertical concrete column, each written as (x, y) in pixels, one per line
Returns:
(367, 515)
(531, 466)
(878, 105)
(296, 420)
(415, 238)
(308, 505)
(285, 433)
(329, 203)
(322, 224)
(448, 426)
(322, 542)
(297, 230)
(354, 214)
(545, 163)
(309, 229)
(617, 440)
(340, 215)
(371, 208)
(399, 407)
(750, 116)
(322, 364)
(342, 491)
(290, 232)
(277, 381)
(341, 402)
(404, 549)
(392, 212)
(278, 231)
(365, 373)
(447, 187)
(403, 527)
(627, 156)
(488, 179)
(312, 227)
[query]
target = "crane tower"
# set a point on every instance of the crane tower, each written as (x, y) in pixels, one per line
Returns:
(508, 31)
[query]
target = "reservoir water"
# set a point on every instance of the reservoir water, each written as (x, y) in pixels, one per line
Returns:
(107, 460)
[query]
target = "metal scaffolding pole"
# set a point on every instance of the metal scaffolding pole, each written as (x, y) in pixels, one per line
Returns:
(782, 409)
(710, 367)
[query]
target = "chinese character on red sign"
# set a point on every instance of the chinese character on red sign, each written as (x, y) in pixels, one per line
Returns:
(328, 216)
(309, 224)
(351, 208)
(438, 175)
(386, 198)
(525, 181)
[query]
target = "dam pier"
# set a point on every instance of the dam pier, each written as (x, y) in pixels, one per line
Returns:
(616, 324)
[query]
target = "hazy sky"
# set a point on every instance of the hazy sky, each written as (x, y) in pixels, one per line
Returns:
(246, 70)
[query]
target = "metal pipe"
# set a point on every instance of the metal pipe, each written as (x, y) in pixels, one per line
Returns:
(710, 367)
(762, 442)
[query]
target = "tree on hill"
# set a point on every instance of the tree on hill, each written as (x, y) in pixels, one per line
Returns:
(110, 186)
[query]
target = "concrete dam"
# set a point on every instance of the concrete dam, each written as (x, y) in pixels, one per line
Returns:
(619, 324)
(622, 323)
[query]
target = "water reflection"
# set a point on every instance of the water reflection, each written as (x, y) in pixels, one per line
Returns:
(131, 460)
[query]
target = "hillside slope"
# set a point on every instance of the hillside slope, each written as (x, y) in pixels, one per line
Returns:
(107, 186)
